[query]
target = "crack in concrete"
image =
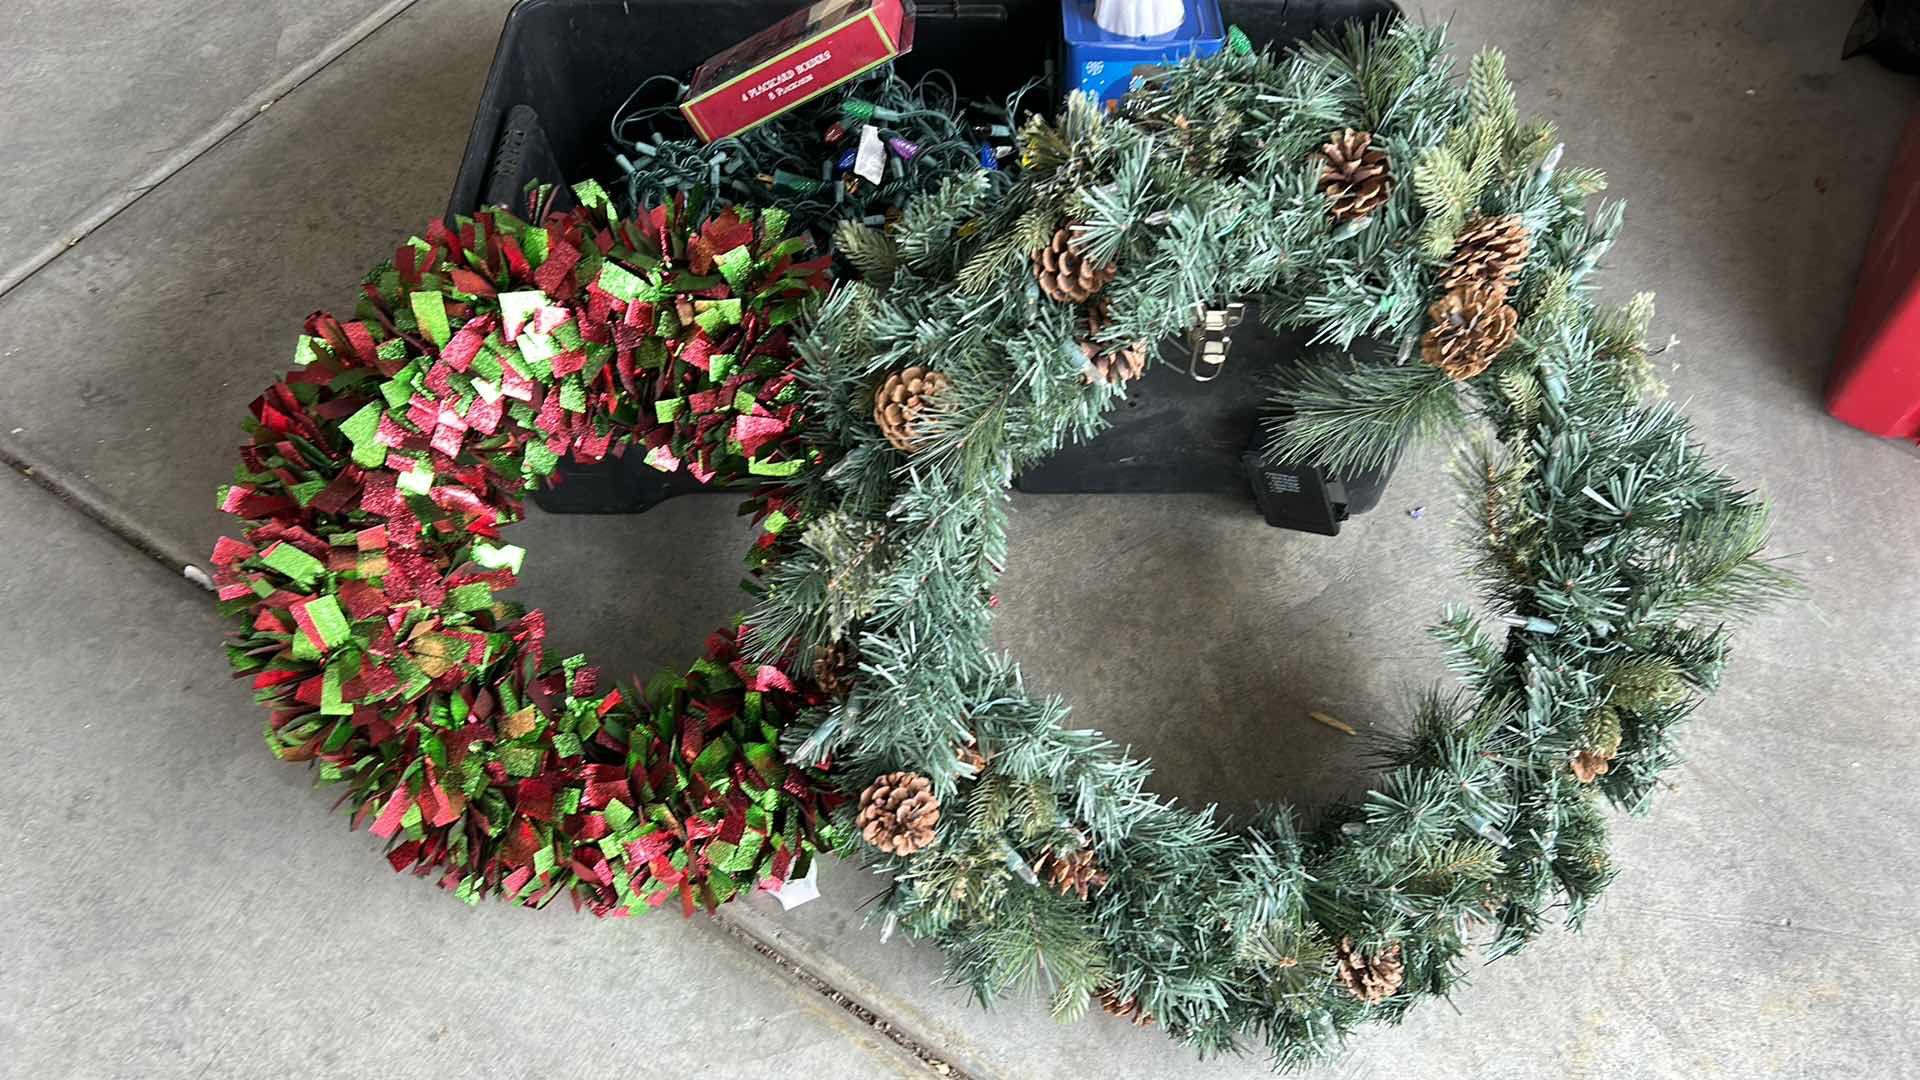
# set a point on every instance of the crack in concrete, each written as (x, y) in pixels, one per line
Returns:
(193, 149)
(90, 503)
(929, 1055)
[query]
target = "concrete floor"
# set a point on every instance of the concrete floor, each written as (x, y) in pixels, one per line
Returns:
(179, 904)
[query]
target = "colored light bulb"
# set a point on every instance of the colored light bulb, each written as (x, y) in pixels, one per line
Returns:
(805, 185)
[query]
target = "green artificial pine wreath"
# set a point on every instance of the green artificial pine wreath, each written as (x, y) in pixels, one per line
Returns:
(1355, 188)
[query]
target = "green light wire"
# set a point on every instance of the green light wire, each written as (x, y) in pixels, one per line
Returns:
(789, 162)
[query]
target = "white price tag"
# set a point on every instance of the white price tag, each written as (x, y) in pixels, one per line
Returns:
(796, 891)
(870, 162)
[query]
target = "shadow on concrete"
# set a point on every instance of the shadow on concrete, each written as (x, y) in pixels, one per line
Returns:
(1185, 628)
(1166, 642)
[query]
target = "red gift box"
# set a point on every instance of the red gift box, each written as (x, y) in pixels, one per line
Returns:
(795, 60)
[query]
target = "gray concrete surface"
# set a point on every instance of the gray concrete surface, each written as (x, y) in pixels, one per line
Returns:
(1761, 926)
(207, 269)
(177, 903)
(104, 100)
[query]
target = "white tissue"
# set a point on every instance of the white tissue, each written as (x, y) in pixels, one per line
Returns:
(1139, 18)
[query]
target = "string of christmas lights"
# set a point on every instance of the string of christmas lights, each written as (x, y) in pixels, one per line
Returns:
(809, 162)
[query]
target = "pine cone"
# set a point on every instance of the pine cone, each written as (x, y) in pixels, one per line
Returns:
(1074, 872)
(1125, 1008)
(1373, 978)
(898, 812)
(900, 400)
(836, 669)
(1471, 325)
(1356, 180)
(1127, 363)
(1590, 765)
(970, 756)
(1067, 275)
(1601, 732)
(1490, 252)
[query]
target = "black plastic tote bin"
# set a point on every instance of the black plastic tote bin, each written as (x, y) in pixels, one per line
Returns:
(563, 66)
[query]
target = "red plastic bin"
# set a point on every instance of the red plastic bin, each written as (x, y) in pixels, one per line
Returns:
(1875, 384)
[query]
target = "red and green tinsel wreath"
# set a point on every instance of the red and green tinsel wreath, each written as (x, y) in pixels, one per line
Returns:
(379, 475)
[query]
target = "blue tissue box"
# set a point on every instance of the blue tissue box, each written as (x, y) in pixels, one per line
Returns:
(1104, 64)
